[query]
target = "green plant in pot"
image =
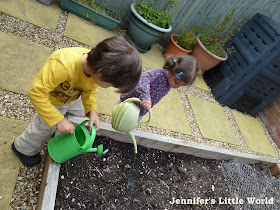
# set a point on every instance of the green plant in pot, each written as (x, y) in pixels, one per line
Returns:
(148, 23)
(100, 8)
(212, 41)
(90, 10)
(183, 43)
(158, 17)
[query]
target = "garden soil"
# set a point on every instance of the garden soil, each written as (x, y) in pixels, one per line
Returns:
(151, 179)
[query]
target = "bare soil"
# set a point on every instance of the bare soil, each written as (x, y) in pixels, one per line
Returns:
(151, 179)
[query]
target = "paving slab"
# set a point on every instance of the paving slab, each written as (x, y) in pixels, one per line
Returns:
(20, 62)
(9, 163)
(200, 83)
(253, 133)
(106, 99)
(85, 31)
(33, 12)
(152, 59)
(212, 121)
(169, 114)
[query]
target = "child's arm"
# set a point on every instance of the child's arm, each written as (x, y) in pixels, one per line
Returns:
(146, 104)
(143, 88)
(89, 102)
(65, 126)
(94, 119)
(50, 76)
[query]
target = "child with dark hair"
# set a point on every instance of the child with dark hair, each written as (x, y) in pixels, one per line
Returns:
(156, 83)
(67, 83)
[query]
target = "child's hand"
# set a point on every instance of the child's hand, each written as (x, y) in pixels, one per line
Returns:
(146, 104)
(94, 119)
(65, 126)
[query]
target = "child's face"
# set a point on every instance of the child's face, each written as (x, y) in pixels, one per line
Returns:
(101, 83)
(173, 82)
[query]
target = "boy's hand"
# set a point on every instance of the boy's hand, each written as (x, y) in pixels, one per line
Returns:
(65, 126)
(94, 119)
(146, 104)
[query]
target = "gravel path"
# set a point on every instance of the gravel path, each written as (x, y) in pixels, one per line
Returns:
(18, 106)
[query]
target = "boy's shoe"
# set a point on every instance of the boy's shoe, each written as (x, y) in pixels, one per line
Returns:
(27, 160)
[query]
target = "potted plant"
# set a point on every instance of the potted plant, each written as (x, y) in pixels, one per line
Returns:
(148, 24)
(212, 41)
(183, 43)
(92, 11)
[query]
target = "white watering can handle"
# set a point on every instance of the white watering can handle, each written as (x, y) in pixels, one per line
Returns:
(150, 111)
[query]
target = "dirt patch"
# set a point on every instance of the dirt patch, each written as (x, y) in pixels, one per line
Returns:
(151, 179)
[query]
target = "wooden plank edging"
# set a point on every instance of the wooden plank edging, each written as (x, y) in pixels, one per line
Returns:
(170, 144)
(48, 187)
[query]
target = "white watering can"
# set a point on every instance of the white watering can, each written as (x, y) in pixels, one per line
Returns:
(125, 118)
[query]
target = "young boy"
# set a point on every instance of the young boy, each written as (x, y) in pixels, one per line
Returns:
(67, 83)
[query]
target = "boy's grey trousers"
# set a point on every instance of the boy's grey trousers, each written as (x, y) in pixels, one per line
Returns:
(37, 133)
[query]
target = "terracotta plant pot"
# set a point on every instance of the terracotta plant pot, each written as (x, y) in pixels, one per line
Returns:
(206, 59)
(173, 48)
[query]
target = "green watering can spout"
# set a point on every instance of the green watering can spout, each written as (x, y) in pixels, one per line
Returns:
(65, 146)
(99, 150)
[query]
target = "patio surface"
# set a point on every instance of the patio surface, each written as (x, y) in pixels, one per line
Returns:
(21, 60)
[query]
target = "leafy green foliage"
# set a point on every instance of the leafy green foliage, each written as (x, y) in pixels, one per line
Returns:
(215, 36)
(100, 8)
(187, 39)
(151, 14)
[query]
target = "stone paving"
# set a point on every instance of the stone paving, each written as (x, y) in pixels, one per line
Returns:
(21, 60)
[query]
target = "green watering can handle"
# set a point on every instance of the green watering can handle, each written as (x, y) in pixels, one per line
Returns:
(93, 134)
(92, 137)
(150, 111)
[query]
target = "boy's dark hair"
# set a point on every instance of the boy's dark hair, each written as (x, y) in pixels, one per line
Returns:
(118, 63)
(183, 63)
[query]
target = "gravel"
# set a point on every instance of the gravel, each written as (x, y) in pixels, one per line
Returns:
(18, 106)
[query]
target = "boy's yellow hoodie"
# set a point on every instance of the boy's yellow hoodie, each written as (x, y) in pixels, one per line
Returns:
(60, 81)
